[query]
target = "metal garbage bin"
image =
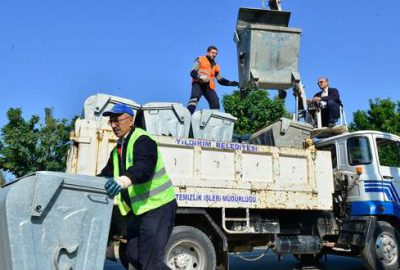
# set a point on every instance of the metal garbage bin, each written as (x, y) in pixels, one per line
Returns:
(53, 220)
(267, 49)
(283, 133)
(168, 119)
(97, 104)
(213, 125)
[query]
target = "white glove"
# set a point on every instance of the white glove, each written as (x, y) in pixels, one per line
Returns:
(204, 78)
(123, 181)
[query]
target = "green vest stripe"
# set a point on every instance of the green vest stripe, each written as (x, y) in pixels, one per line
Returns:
(151, 194)
(161, 199)
(160, 173)
(146, 187)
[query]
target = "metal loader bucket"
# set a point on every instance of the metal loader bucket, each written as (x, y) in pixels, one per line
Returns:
(267, 49)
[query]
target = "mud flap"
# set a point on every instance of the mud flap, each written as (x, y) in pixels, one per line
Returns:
(356, 231)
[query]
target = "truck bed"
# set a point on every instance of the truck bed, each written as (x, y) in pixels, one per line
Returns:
(215, 174)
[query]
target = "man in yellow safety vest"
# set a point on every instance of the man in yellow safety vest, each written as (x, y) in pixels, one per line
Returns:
(142, 188)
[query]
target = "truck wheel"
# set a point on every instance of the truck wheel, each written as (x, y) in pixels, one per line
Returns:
(381, 252)
(189, 248)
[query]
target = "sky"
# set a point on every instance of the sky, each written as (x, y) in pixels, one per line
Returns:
(58, 53)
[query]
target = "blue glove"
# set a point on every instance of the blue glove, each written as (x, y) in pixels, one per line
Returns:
(112, 187)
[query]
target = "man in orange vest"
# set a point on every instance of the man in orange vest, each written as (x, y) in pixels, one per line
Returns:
(204, 72)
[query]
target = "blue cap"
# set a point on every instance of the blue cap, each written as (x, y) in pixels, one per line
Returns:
(119, 108)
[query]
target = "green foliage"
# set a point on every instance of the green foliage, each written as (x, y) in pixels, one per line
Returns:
(29, 146)
(388, 153)
(2, 179)
(254, 109)
(383, 115)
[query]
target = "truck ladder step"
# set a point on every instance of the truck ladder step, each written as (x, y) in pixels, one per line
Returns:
(246, 220)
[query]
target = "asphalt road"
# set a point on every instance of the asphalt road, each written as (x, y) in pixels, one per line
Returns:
(270, 261)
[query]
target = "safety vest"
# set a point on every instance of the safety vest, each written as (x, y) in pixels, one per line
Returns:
(206, 69)
(151, 194)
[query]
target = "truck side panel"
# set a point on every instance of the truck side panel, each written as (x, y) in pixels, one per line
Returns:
(215, 174)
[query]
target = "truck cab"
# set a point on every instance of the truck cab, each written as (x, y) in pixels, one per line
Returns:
(367, 200)
(375, 157)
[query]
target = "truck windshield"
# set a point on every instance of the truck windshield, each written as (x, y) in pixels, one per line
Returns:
(358, 151)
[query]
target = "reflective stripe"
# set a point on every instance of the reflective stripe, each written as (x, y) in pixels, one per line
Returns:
(160, 173)
(193, 102)
(152, 192)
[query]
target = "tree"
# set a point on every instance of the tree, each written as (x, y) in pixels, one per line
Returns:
(383, 115)
(29, 146)
(54, 142)
(254, 109)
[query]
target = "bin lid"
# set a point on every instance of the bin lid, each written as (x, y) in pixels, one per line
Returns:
(160, 105)
(274, 28)
(287, 123)
(206, 115)
(284, 124)
(179, 110)
(48, 183)
(248, 16)
(97, 104)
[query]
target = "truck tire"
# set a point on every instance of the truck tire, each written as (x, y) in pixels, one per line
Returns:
(381, 252)
(189, 248)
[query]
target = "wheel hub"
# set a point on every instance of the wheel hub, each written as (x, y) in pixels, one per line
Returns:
(186, 255)
(386, 248)
(182, 261)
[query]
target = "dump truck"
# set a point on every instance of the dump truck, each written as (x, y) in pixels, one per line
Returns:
(281, 191)
(231, 196)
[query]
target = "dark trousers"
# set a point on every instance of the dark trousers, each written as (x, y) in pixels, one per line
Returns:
(331, 113)
(199, 90)
(148, 235)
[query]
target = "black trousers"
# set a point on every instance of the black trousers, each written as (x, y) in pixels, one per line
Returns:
(331, 113)
(148, 235)
(199, 90)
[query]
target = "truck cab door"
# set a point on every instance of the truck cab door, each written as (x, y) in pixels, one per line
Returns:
(357, 151)
(388, 162)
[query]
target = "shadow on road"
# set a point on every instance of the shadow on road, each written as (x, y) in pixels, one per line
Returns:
(270, 261)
